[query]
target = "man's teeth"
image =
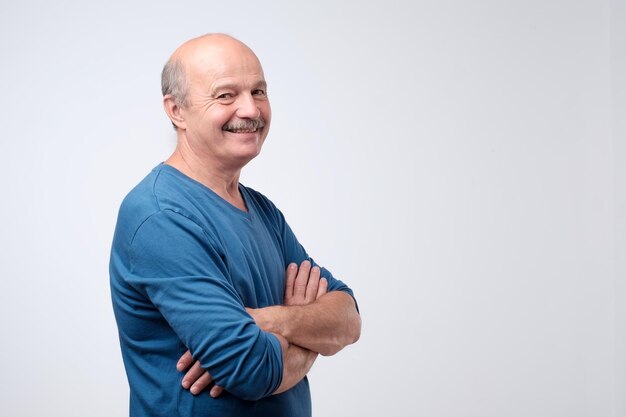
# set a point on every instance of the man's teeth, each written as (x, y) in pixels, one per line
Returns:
(242, 130)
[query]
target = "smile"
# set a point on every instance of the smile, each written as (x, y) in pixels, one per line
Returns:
(242, 130)
(244, 126)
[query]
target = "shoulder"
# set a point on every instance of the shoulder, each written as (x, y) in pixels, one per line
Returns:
(140, 203)
(161, 191)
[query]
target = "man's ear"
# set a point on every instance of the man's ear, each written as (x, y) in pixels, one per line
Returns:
(174, 111)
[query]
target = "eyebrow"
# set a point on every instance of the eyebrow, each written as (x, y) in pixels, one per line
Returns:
(233, 86)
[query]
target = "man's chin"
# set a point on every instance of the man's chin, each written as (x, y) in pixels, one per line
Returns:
(244, 156)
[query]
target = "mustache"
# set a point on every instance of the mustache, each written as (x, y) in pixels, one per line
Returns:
(245, 124)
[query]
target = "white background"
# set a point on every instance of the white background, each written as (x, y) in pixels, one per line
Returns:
(460, 164)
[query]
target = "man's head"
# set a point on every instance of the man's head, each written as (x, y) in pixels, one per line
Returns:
(215, 94)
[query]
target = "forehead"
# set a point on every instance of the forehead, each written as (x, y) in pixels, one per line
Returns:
(231, 64)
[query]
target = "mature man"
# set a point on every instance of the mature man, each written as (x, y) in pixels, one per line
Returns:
(201, 263)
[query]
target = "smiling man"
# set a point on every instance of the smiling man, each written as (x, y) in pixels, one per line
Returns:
(221, 312)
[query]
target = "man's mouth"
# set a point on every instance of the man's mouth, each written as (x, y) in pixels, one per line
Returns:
(252, 126)
(241, 130)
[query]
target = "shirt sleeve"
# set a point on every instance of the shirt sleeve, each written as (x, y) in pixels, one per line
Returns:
(294, 252)
(181, 270)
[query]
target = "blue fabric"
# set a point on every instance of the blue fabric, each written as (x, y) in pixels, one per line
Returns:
(184, 265)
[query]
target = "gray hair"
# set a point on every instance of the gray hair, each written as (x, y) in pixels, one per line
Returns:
(174, 82)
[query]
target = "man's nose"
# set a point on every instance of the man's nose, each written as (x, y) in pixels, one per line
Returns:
(248, 108)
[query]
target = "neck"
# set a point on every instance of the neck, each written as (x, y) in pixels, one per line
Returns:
(222, 180)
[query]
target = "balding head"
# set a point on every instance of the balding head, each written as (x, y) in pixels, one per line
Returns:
(198, 53)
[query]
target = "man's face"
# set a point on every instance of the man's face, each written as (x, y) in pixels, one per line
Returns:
(228, 113)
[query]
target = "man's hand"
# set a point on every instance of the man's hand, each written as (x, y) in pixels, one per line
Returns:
(311, 317)
(304, 285)
(196, 379)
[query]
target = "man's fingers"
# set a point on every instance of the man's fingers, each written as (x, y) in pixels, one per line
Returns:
(196, 379)
(201, 383)
(192, 375)
(303, 284)
(299, 289)
(322, 288)
(290, 279)
(216, 391)
(184, 362)
(312, 285)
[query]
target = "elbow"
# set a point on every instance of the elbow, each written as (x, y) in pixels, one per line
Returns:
(250, 395)
(330, 349)
(353, 325)
(258, 372)
(333, 347)
(355, 328)
(353, 332)
(350, 336)
(253, 387)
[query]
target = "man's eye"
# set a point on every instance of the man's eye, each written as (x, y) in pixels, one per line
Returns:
(225, 96)
(258, 93)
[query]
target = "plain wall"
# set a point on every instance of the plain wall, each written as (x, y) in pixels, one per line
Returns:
(618, 90)
(459, 164)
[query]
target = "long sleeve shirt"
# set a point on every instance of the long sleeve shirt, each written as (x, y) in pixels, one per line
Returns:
(185, 264)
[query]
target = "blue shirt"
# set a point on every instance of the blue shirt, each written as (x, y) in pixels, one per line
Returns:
(184, 265)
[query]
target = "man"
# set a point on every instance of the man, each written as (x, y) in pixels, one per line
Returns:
(198, 260)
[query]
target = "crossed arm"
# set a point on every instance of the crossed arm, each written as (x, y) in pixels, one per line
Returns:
(310, 322)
